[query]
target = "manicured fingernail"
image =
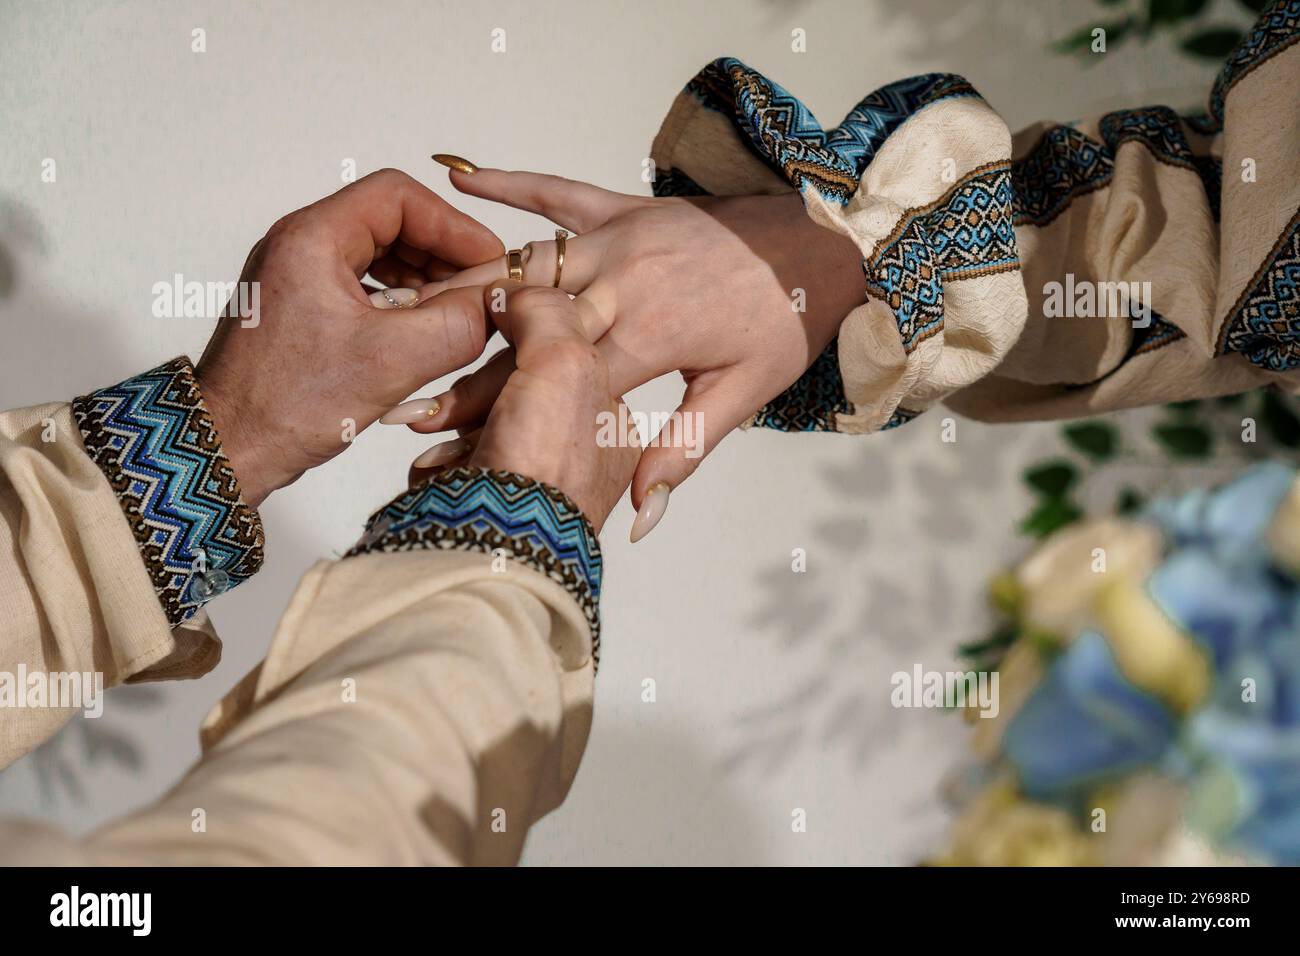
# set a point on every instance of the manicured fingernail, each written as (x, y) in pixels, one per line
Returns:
(454, 162)
(394, 298)
(653, 506)
(416, 410)
(442, 454)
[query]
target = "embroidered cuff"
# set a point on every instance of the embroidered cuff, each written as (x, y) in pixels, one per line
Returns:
(965, 233)
(476, 509)
(156, 444)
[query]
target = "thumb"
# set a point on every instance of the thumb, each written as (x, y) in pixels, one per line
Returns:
(710, 409)
(444, 332)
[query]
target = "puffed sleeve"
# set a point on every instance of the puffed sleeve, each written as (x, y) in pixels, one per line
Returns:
(1135, 258)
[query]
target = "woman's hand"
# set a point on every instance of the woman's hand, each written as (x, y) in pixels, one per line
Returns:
(555, 419)
(710, 287)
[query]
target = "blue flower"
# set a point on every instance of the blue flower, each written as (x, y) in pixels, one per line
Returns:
(1238, 751)
(1084, 723)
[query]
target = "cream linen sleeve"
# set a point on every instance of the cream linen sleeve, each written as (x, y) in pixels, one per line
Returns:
(424, 701)
(119, 518)
(1138, 258)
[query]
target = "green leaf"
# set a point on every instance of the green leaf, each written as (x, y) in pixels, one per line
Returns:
(1279, 420)
(1173, 11)
(1097, 440)
(1005, 594)
(999, 640)
(1130, 502)
(1048, 644)
(1050, 515)
(1054, 478)
(1214, 43)
(1117, 31)
(1076, 41)
(1184, 440)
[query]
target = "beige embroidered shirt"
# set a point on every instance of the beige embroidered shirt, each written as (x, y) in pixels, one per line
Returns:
(417, 707)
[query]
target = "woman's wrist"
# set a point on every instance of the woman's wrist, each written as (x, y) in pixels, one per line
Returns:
(820, 269)
(831, 264)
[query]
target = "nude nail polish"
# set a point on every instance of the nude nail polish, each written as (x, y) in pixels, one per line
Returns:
(394, 298)
(653, 506)
(444, 453)
(454, 162)
(408, 413)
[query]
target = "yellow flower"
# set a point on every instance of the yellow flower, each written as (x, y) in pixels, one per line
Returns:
(1002, 829)
(1150, 650)
(1062, 578)
(1019, 672)
(1284, 532)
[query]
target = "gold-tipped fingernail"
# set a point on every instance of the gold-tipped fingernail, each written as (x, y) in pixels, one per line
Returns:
(653, 506)
(408, 413)
(454, 162)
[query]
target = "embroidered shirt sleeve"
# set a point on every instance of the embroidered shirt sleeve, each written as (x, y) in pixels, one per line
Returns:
(967, 232)
(157, 445)
(477, 509)
(962, 233)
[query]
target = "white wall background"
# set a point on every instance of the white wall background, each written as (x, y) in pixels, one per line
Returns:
(772, 686)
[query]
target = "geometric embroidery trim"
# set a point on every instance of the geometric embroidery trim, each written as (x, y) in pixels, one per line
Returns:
(812, 402)
(479, 509)
(676, 183)
(155, 442)
(901, 416)
(1264, 323)
(968, 232)
(785, 134)
(1158, 128)
(1063, 165)
(1066, 164)
(1155, 336)
(965, 234)
(1277, 28)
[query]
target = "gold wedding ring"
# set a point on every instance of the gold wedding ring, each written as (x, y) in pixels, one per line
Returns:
(516, 258)
(560, 236)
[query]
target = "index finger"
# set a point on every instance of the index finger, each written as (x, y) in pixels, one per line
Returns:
(383, 207)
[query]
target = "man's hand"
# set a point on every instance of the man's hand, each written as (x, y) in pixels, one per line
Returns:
(323, 360)
(555, 420)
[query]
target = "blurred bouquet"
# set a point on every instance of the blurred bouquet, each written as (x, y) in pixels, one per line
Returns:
(1150, 685)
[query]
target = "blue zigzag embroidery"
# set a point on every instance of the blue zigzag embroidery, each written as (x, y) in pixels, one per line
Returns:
(156, 444)
(477, 509)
